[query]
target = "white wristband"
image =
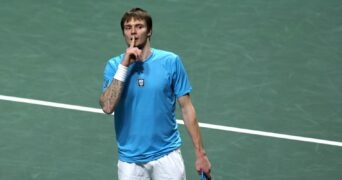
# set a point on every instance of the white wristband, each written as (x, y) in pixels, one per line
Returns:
(121, 73)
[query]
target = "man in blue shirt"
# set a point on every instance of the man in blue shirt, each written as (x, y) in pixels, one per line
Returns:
(142, 86)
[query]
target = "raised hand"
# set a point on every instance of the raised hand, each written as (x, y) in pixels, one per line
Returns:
(132, 53)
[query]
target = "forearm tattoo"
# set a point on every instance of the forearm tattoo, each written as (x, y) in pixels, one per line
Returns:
(116, 90)
(112, 96)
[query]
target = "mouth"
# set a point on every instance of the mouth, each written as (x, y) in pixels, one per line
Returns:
(135, 40)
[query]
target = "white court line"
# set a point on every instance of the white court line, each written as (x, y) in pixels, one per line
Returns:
(204, 125)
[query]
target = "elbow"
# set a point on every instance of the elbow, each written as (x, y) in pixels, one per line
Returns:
(106, 108)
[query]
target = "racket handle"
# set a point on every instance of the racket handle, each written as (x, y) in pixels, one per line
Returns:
(203, 176)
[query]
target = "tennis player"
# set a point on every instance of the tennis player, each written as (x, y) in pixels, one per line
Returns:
(142, 86)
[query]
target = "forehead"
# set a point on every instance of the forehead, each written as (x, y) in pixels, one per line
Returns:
(133, 21)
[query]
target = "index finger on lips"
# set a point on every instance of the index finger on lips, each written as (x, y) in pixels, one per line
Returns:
(132, 42)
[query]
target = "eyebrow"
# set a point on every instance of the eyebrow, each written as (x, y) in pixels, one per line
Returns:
(134, 24)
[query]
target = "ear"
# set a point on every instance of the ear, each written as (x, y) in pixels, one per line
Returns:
(149, 34)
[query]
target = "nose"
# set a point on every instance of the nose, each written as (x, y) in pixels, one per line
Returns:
(133, 30)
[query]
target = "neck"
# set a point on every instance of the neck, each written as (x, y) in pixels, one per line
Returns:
(146, 50)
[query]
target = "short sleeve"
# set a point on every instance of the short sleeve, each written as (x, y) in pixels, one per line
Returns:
(108, 74)
(181, 83)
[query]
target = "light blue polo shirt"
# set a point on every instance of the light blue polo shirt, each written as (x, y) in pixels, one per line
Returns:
(145, 122)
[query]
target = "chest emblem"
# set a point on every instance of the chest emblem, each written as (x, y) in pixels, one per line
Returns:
(141, 82)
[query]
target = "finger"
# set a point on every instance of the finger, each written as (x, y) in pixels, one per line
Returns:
(207, 175)
(132, 42)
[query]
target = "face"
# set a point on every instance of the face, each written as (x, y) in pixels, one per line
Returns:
(136, 28)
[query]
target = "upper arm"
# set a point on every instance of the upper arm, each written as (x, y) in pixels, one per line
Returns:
(184, 100)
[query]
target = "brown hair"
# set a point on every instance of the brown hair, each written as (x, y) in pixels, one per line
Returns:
(137, 13)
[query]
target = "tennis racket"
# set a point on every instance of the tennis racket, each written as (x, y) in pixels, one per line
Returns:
(203, 176)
